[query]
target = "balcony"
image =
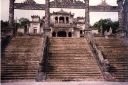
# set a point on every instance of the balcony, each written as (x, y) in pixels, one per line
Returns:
(63, 25)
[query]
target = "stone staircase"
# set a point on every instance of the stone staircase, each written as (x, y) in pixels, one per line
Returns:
(71, 59)
(20, 60)
(116, 52)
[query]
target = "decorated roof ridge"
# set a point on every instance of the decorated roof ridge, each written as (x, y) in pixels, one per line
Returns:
(103, 3)
(63, 12)
(80, 17)
(29, 2)
(33, 16)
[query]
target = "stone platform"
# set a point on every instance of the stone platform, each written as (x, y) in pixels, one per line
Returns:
(67, 83)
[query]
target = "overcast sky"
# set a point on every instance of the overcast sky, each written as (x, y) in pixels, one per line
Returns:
(94, 16)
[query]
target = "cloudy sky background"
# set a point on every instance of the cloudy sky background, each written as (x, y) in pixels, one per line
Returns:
(94, 16)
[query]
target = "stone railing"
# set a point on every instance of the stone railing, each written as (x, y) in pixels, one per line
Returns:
(43, 61)
(5, 41)
(68, 25)
(103, 63)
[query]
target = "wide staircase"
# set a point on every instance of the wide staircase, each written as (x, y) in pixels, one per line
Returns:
(20, 60)
(116, 51)
(71, 59)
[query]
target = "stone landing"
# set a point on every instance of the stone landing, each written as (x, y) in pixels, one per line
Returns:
(67, 83)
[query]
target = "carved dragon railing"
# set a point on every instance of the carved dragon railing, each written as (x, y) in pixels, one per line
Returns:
(42, 72)
(102, 62)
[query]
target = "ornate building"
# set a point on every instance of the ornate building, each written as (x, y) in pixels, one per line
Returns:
(73, 4)
(63, 24)
(36, 25)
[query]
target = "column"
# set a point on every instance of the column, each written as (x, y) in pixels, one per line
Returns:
(66, 34)
(56, 34)
(47, 18)
(65, 22)
(126, 14)
(120, 13)
(11, 13)
(87, 17)
(57, 19)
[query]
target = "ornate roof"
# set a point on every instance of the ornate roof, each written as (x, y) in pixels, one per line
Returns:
(103, 3)
(62, 12)
(35, 16)
(29, 2)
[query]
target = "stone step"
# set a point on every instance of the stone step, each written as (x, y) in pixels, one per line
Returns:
(75, 74)
(21, 58)
(70, 51)
(21, 62)
(75, 70)
(69, 60)
(117, 53)
(18, 78)
(72, 59)
(68, 54)
(75, 78)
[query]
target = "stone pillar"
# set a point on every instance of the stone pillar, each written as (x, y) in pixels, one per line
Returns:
(66, 34)
(11, 13)
(65, 20)
(87, 17)
(125, 21)
(47, 29)
(120, 13)
(57, 19)
(56, 34)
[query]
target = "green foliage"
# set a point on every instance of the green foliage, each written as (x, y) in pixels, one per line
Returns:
(23, 22)
(115, 26)
(4, 24)
(105, 25)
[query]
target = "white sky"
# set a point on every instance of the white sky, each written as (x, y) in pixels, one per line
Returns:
(94, 16)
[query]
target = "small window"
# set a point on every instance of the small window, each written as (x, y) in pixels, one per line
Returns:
(81, 32)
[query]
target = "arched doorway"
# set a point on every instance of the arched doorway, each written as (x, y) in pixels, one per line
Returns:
(56, 19)
(54, 34)
(61, 20)
(61, 34)
(69, 34)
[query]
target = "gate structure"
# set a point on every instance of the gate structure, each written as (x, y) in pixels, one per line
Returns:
(73, 4)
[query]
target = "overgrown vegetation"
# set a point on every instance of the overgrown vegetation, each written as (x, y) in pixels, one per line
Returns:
(105, 25)
(22, 22)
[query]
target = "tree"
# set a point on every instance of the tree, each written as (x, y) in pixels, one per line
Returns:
(115, 26)
(4, 24)
(105, 25)
(23, 22)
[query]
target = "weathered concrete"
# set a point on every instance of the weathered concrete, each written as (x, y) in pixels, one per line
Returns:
(11, 13)
(120, 14)
(125, 15)
(87, 17)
